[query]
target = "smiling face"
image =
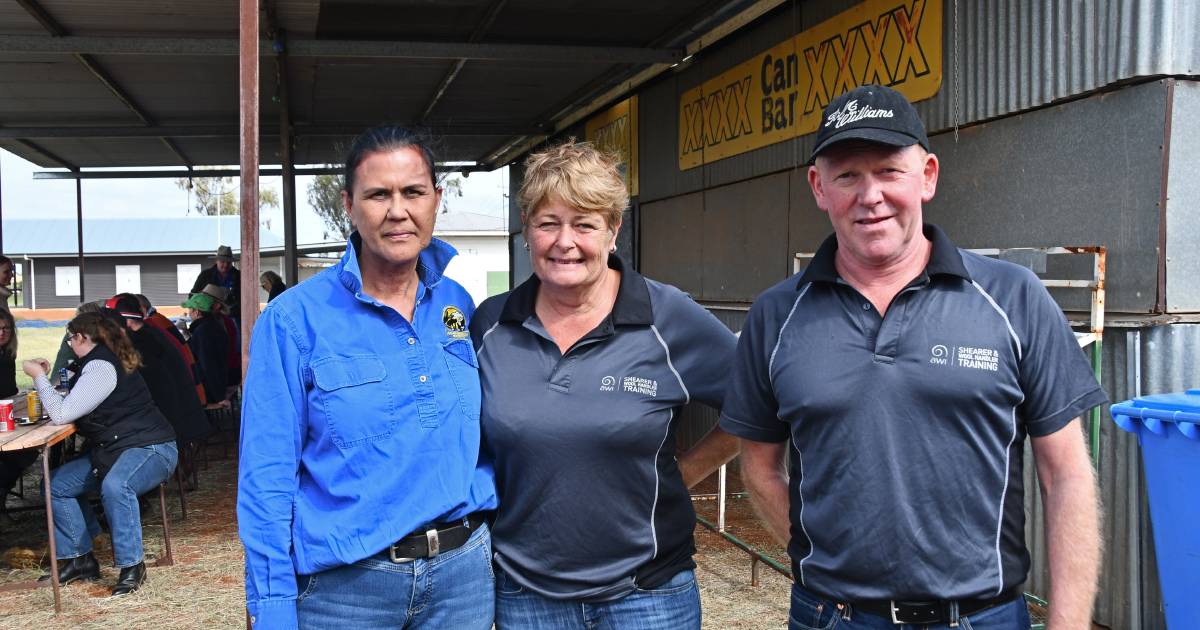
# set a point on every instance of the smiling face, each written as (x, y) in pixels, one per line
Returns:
(568, 248)
(393, 206)
(6, 274)
(873, 194)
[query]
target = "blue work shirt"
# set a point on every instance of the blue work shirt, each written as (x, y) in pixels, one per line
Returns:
(358, 427)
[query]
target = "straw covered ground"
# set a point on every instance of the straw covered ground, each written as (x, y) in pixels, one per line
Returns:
(204, 587)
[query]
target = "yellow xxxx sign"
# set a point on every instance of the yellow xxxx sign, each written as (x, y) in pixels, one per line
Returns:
(779, 94)
(616, 129)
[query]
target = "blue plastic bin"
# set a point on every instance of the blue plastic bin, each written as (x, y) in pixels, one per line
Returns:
(1168, 430)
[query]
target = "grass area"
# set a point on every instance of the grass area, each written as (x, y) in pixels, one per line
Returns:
(33, 343)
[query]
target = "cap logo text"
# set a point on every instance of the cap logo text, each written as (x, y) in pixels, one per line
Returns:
(851, 113)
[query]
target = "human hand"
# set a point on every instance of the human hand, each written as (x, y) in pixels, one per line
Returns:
(35, 367)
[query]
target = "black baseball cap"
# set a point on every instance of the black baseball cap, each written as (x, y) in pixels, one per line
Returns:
(873, 113)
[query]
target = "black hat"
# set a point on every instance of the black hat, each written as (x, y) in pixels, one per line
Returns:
(873, 113)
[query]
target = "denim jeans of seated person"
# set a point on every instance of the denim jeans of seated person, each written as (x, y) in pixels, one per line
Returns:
(136, 472)
(453, 590)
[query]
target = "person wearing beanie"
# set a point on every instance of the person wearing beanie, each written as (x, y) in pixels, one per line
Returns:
(209, 344)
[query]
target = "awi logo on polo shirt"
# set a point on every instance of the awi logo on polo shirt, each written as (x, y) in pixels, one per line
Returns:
(965, 356)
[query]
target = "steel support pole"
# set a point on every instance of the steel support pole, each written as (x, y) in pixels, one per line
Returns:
(248, 97)
(290, 266)
(79, 233)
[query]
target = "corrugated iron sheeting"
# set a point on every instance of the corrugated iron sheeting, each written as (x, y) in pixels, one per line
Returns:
(1135, 362)
(1011, 56)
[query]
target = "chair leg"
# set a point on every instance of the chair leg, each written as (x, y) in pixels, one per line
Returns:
(169, 559)
(179, 485)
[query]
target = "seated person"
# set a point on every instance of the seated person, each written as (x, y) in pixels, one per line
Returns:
(12, 464)
(209, 344)
(177, 340)
(130, 450)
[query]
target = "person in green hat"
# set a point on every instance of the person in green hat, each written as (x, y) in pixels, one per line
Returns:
(209, 343)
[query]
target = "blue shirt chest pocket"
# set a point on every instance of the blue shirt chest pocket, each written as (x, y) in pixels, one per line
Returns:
(463, 367)
(354, 399)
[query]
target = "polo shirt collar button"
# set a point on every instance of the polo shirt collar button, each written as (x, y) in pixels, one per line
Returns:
(866, 306)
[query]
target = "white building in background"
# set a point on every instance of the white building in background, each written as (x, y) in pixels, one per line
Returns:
(482, 243)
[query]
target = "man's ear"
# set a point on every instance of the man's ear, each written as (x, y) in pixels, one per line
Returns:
(817, 186)
(929, 177)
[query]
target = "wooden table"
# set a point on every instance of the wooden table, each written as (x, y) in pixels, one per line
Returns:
(42, 436)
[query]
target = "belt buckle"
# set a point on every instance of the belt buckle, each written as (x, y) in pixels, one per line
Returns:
(435, 545)
(396, 559)
(894, 609)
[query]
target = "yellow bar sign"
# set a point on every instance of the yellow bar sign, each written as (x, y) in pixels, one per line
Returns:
(779, 94)
(616, 129)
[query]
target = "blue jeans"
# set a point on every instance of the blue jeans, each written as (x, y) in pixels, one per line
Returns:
(810, 612)
(674, 605)
(137, 471)
(453, 590)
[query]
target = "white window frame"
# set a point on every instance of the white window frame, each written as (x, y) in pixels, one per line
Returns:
(128, 278)
(185, 276)
(66, 281)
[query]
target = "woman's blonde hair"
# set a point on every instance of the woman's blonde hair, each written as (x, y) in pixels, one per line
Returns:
(105, 332)
(577, 174)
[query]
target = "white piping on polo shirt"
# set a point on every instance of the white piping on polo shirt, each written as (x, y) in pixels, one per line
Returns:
(687, 397)
(483, 339)
(1012, 438)
(654, 506)
(771, 361)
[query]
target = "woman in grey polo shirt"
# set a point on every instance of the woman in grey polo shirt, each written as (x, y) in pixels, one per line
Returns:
(584, 368)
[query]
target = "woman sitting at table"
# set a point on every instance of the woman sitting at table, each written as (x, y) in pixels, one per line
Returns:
(14, 463)
(131, 450)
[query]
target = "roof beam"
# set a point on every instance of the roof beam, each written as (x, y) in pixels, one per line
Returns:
(36, 148)
(73, 44)
(231, 130)
(201, 173)
(482, 27)
(58, 32)
(518, 146)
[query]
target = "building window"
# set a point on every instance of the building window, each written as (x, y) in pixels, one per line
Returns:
(66, 281)
(129, 278)
(185, 276)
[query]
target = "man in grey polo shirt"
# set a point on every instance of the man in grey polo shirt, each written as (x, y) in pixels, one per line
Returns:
(906, 374)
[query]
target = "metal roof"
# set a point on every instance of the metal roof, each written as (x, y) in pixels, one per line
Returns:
(187, 235)
(123, 83)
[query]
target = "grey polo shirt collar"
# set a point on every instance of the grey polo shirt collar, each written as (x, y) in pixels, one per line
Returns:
(944, 259)
(632, 307)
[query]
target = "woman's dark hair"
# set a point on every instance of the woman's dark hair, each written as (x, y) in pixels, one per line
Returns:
(103, 331)
(271, 278)
(387, 138)
(9, 349)
(5, 260)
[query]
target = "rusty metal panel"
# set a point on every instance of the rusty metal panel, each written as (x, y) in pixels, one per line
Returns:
(745, 238)
(671, 243)
(1183, 189)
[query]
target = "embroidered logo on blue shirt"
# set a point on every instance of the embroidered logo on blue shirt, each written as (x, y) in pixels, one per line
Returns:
(455, 321)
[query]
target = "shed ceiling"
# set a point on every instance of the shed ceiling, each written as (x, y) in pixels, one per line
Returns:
(81, 81)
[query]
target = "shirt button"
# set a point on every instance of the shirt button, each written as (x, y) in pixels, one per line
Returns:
(866, 306)
(411, 341)
(424, 378)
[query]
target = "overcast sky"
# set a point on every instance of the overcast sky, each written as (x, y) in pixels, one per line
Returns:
(22, 197)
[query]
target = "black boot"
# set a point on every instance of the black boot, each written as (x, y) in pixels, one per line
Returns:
(84, 567)
(130, 579)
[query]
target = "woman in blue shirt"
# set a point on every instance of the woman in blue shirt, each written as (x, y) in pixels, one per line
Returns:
(361, 493)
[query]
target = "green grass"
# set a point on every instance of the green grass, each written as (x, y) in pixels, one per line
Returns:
(34, 343)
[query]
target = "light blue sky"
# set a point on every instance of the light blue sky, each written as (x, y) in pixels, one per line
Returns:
(23, 197)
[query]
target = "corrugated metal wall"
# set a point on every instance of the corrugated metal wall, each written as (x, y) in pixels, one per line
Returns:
(1012, 56)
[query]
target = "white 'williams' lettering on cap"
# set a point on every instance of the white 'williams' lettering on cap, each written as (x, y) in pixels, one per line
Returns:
(850, 113)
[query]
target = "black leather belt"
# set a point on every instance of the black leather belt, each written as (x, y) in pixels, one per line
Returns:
(913, 612)
(435, 539)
